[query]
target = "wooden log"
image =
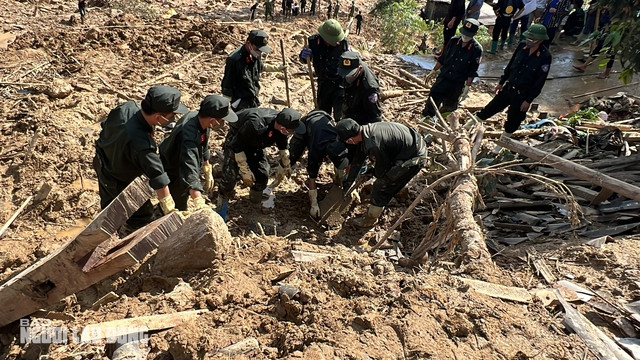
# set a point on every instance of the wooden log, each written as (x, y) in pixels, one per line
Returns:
(60, 273)
(101, 331)
(243, 347)
(412, 78)
(286, 73)
(571, 168)
(15, 215)
(397, 78)
(605, 89)
(310, 72)
(598, 343)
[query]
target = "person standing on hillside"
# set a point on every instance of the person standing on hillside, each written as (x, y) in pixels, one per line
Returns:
(398, 152)
(126, 149)
(358, 22)
(554, 13)
(312, 10)
(303, 6)
(325, 49)
(336, 10)
(82, 8)
(473, 9)
(361, 90)
(522, 81)
(253, 11)
(458, 66)
(455, 14)
(244, 155)
(241, 81)
(352, 10)
(185, 152)
(329, 10)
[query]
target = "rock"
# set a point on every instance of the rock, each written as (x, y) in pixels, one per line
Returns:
(203, 238)
(92, 34)
(59, 89)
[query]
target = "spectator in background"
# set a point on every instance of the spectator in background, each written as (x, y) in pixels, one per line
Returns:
(552, 17)
(455, 14)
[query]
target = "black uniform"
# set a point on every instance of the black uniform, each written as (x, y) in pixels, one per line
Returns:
(320, 138)
(326, 59)
(242, 78)
(358, 23)
(312, 10)
(459, 62)
(456, 9)
(253, 10)
(251, 134)
(399, 153)
(362, 98)
(522, 80)
(124, 151)
(182, 154)
(505, 10)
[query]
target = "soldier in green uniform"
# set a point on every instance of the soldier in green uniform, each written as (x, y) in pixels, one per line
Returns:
(241, 81)
(126, 149)
(398, 152)
(268, 9)
(185, 152)
(244, 155)
(458, 66)
(361, 90)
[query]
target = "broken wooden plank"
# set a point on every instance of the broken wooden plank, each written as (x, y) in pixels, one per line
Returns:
(60, 273)
(243, 347)
(623, 206)
(603, 195)
(583, 192)
(600, 344)
(308, 256)
(583, 294)
(14, 216)
(541, 267)
(109, 297)
(632, 345)
(610, 231)
(571, 168)
(101, 331)
(498, 291)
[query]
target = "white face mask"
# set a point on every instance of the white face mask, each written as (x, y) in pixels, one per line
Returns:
(531, 42)
(351, 78)
(466, 38)
(256, 53)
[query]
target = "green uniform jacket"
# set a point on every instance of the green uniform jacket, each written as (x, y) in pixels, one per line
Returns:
(127, 149)
(242, 76)
(362, 98)
(184, 151)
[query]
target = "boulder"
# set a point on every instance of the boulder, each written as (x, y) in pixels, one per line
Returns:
(203, 238)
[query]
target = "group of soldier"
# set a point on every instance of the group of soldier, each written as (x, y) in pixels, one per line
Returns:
(346, 128)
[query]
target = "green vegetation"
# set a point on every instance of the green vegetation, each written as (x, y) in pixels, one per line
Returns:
(402, 26)
(139, 8)
(589, 114)
(622, 39)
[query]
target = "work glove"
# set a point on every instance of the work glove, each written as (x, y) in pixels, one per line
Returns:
(275, 68)
(465, 92)
(236, 103)
(315, 208)
(167, 204)
(305, 53)
(284, 168)
(432, 74)
(207, 171)
(197, 203)
(338, 176)
(248, 179)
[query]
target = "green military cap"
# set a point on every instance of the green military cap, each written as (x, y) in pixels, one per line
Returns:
(218, 107)
(331, 31)
(536, 32)
(163, 99)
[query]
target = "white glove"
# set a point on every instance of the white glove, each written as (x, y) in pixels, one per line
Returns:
(315, 208)
(284, 158)
(197, 203)
(284, 168)
(167, 204)
(275, 68)
(207, 171)
(465, 92)
(248, 179)
(236, 103)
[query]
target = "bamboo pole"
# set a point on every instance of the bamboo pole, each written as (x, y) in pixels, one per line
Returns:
(14, 216)
(606, 89)
(286, 73)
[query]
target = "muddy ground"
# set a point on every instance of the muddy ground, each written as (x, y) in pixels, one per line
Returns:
(60, 78)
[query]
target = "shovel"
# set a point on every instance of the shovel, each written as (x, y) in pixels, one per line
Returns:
(335, 203)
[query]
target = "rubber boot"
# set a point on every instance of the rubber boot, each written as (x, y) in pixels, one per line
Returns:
(497, 149)
(222, 205)
(371, 218)
(510, 39)
(255, 196)
(494, 47)
(502, 46)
